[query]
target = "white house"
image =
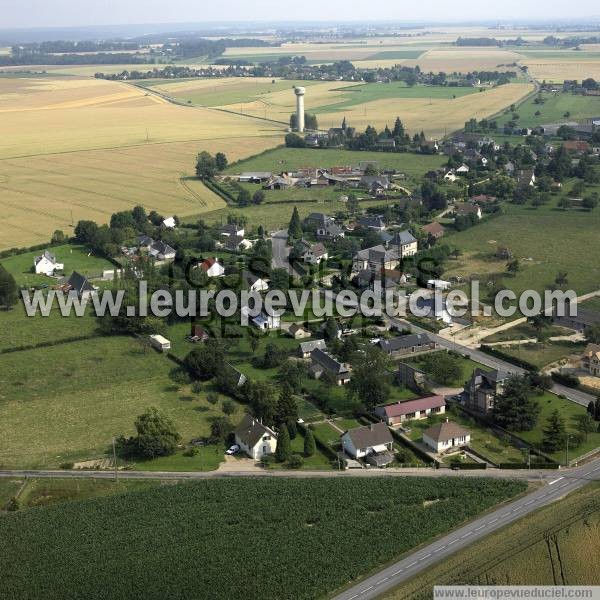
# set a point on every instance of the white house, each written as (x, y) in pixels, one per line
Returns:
(445, 436)
(373, 442)
(169, 223)
(212, 267)
(254, 438)
(46, 264)
(159, 342)
(450, 176)
(306, 348)
(231, 229)
(315, 254)
(462, 170)
(266, 321)
(162, 251)
(438, 284)
(254, 283)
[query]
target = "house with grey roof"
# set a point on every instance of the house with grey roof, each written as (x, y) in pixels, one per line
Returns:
(375, 222)
(255, 176)
(408, 344)
(254, 438)
(483, 388)
(306, 348)
(405, 243)
(374, 259)
(446, 436)
(373, 443)
(323, 362)
(77, 284)
(331, 231)
(46, 264)
(162, 251)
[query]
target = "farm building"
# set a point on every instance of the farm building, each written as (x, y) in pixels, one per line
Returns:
(298, 332)
(306, 348)
(159, 342)
(323, 362)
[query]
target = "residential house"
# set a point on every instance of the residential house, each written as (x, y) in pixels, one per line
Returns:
(576, 146)
(526, 177)
(323, 362)
(385, 279)
(330, 231)
(483, 387)
(388, 144)
(405, 243)
(364, 278)
(46, 264)
(590, 360)
(266, 322)
(77, 284)
(169, 223)
(314, 254)
(234, 243)
(420, 408)
(254, 283)
(438, 284)
(483, 199)
(374, 259)
(144, 243)
(462, 209)
(450, 176)
(462, 170)
(254, 438)
(372, 442)
(434, 229)
(162, 251)
(413, 343)
(231, 229)
(212, 267)
(446, 436)
(317, 221)
(298, 332)
(375, 222)
(305, 348)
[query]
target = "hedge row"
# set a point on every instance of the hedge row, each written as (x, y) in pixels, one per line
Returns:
(565, 379)
(539, 465)
(50, 343)
(509, 358)
(16, 251)
(469, 466)
(213, 186)
(324, 448)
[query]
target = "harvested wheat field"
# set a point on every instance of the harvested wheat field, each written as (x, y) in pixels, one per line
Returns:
(465, 59)
(559, 70)
(82, 149)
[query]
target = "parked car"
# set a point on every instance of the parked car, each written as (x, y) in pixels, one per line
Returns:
(233, 449)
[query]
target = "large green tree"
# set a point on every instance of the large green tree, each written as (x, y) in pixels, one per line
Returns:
(156, 434)
(443, 367)
(555, 433)
(283, 451)
(206, 165)
(295, 227)
(370, 376)
(287, 407)
(310, 446)
(204, 361)
(9, 291)
(516, 408)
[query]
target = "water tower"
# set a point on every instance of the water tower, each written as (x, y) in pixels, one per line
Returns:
(300, 91)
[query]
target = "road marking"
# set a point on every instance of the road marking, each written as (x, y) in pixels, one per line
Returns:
(528, 503)
(452, 542)
(466, 535)
(352, 597)
(381, 581)
(426, 556)
(553, 482)
(480, 527)
(397, 573)
(493, 521)
(367, 589)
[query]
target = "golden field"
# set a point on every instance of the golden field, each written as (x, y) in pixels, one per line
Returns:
(558, 70)
(465, 59)
(435, 117)
(82, 149)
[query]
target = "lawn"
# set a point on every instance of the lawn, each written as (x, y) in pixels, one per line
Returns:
(467, 366)
(553, 109)
(543, 354)
(190, 528)
(281, 159)
(75, 258)
(536, 237)
(569, 411)
(317, 461)
(543, 549)
(369, 92)
(483, 440)
(524, 331)
(87, 393)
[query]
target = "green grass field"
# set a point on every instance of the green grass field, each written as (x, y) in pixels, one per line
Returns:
(86, 393)
(553, 546)
(369, 92)
(174, 541)
(545, 353)
(525, 331)
(73, 256)
(546, 240)
(553, 109)
(467, 366)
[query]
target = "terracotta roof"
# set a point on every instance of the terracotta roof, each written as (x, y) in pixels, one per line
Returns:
(433, 228)
(410, 406)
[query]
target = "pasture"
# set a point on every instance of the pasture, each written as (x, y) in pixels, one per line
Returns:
(537, 237)
(87, 393)
(553, 546)
(47, 553)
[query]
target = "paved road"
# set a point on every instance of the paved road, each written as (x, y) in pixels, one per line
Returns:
(281, 252)
(401, 571)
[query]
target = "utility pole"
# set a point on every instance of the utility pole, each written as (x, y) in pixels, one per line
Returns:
(115, 460)
(567, 451)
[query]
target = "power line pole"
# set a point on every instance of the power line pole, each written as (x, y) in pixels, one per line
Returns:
(115, 460)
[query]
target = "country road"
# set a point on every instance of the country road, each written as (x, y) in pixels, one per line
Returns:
(281, 252)
(401, 571)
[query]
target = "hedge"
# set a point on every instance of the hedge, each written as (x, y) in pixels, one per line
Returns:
(545, 465)
(50, 343)
(469, 466)
(324, 448)
(509, 358)
(565, 379)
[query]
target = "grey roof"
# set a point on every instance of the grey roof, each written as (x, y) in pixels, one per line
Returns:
(371, 221)
(233, 241)
(494, 376)
(364, 276)
(46, 254)
(256, 174)
(145, 240)
(306, 347)
(328, 362)
(79, 283)
(368, 436)
(319, 218)
(380, 460)
(250, 431)
(230, 228)
(332, 229)
(369, 180)
(162, 248)
(405, 341)
(377, 254)
(403, 237)
(250, 278)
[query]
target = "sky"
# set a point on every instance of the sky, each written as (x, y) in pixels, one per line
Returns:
(67, 13)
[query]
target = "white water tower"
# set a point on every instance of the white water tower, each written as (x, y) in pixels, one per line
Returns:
(300, 91)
